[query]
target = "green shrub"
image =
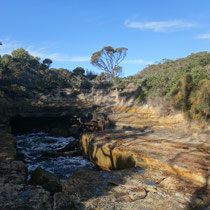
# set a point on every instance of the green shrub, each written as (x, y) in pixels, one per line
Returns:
(200, 101)
(184, 82)
(181, 94)
(192, 99)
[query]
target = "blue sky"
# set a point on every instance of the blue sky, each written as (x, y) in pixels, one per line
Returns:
(69, 31)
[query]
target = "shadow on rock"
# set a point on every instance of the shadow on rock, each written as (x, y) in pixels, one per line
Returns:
(201, 197)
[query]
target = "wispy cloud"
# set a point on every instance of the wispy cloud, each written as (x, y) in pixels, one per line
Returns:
(9, 45)
(137, 61)
(203, 36)
(43, 52)
(160, 26)
(66, 58)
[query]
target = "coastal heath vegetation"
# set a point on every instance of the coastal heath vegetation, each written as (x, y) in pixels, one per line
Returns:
(182, 84)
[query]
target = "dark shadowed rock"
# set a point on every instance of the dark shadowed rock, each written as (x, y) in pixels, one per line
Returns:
(62, 201)
(14, 172)
(7, 145)
(24, 197)
(48, 181)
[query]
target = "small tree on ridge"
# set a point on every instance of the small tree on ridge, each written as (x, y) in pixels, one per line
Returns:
(108, 60)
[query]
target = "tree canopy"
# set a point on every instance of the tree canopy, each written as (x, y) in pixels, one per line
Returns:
(108, 60)
(47, 62)
(79, 71)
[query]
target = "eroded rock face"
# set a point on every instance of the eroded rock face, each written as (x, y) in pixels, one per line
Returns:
(124, 111)
(67, 125)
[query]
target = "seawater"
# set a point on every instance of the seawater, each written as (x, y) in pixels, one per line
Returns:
(31, 147)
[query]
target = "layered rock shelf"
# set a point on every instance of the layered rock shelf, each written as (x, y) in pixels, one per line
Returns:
(175, 151)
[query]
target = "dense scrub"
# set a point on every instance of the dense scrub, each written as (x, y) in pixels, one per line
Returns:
(184, 82)
(193, 99)
(21, 75)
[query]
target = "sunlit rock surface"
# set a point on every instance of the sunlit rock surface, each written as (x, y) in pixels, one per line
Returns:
(175, 151)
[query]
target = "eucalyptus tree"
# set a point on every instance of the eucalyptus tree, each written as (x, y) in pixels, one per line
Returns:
(108, 59)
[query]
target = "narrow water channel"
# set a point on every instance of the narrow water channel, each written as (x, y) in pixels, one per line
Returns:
(58, 155)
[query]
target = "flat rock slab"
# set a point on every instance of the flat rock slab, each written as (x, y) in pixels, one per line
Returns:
(132, 189)
(173, 151)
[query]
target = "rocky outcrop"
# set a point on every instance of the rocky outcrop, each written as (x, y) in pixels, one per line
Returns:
(167, 156)
(53, 119)
(55, 115)
(124, 111)
(176, 164)
(134, 188)
(175, 152)
(93, 111)
(15, 193)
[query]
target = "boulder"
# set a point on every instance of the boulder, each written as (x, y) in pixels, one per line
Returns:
(48, 181)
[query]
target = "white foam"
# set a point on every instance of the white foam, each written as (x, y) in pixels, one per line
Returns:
(33, 145)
